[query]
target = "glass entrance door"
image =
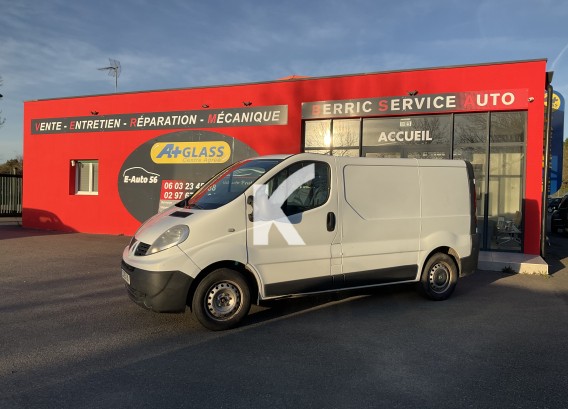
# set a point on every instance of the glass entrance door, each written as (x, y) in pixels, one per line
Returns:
(506, 175)
(494, 144)
(471, 143)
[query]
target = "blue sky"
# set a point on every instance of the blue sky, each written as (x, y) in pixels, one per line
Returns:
(52, 48)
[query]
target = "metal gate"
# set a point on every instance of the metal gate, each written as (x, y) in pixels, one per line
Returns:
(10, 195)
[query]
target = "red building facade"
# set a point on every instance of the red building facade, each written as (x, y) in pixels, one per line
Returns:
(105, 163)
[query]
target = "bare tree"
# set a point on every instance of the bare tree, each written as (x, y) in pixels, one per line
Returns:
(564, 188)
(318, 134)
(508, 127)
(13, 166)
(2, 119)
(435, 125)
(342, 141)
(346, 137)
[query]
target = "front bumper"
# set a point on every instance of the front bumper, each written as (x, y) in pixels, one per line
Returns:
(160, 291)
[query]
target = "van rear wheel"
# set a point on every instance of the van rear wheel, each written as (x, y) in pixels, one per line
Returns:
(221, 300)
(439, 277)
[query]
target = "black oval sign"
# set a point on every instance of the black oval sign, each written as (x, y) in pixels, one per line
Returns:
(166, 169)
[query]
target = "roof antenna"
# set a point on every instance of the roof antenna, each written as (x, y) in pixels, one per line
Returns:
(113, 70)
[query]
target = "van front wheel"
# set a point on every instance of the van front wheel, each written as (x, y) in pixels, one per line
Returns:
(221, 300)
(439, 277)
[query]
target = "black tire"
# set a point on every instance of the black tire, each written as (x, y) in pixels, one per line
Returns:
(439, 277)
(221, 300)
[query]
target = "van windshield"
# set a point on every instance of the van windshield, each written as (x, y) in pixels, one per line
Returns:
(228, 184)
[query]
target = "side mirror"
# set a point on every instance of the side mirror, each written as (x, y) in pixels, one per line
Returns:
(261, 207)
(261, 204)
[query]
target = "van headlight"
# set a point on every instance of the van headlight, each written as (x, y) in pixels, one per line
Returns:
(171, 237)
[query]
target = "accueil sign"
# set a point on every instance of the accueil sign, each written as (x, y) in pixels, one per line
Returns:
(405, 136)
(429, 103)
(420, 129)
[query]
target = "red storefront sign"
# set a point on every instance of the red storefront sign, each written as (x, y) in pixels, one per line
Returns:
(515, 99)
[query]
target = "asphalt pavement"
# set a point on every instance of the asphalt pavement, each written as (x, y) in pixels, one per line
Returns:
(71, 338)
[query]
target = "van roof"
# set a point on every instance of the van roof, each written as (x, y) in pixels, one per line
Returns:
(355, 160)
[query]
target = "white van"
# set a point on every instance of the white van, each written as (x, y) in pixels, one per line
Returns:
(281, 226)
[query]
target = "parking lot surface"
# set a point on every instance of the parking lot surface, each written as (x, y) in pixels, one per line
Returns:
(71, 338)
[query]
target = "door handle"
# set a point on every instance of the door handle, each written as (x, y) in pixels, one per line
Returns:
(330, 221)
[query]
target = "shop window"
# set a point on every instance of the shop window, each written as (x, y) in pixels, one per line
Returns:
(86, 177)
(339, 137)
(318, 135)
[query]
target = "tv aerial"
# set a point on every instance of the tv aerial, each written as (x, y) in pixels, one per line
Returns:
(113, 71)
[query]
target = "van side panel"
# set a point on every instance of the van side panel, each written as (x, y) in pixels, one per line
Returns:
(380, 221)
(446, 209)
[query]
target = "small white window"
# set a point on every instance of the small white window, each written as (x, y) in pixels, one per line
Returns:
(87, 177)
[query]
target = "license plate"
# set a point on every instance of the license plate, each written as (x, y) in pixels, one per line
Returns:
(126, 277)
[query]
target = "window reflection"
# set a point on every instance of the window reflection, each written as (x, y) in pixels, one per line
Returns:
(340, 137)
(315, 134)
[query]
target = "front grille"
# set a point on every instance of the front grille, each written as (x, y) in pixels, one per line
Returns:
(141, 249)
